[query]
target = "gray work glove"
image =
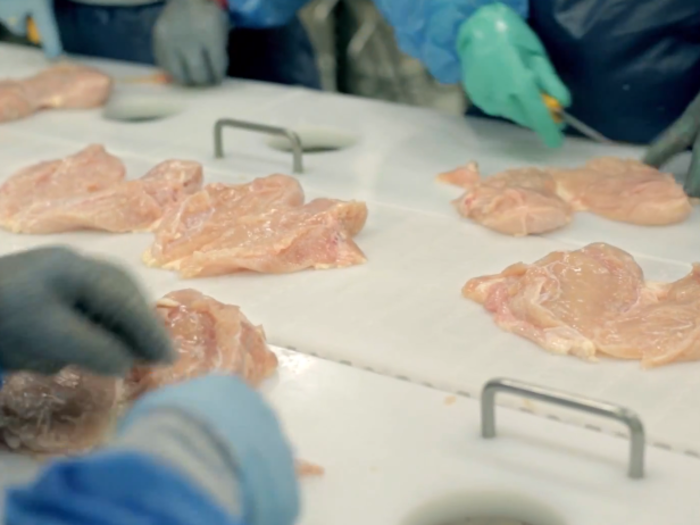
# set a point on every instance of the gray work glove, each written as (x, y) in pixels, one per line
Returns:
(58, 308)
(190, 39)
(683, 133)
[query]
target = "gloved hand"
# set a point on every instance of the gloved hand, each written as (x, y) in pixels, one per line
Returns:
(682, 134)
(247, 427)
(506, 69)
(190, 39)
(58, 308)
(14, 15)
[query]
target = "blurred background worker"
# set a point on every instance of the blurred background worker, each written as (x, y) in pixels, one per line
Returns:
(181, 456)
(628, 69)
(198, 42)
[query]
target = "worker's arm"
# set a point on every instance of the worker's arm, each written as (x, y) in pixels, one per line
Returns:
(489, 47)
(683, 134)
(207, 451)
(34, 19)
(190, 37)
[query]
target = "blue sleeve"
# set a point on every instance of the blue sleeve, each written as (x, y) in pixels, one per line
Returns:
(427, 30)
(258, 14)
(111, 488)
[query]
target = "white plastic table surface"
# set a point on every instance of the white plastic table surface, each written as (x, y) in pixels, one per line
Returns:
(401, 314)
(397, 453)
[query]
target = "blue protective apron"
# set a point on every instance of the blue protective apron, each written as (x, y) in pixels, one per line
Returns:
(283, 55)
(633, 66)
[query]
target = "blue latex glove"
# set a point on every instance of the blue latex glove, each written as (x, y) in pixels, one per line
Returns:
(15, 13)
(428, 30)
(267, 475)
(111, 488)
(189, 41)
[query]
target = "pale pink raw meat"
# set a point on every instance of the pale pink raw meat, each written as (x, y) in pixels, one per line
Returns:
(64, 86)
(210, 337)
(259, 226)
(661, 331)
(533, 200)
(74, 411)
(87, 191)
(624, 190)
(516, 202)
(308, 469)
(594, 302)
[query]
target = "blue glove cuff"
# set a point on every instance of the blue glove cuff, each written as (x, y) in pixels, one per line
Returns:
(247, 427)
(111, 489)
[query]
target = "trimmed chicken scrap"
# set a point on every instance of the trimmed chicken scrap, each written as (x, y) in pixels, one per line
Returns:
(262, 226)
(595, 302)
(88, 191)
(532, 200)
(74, 411)
(64, 86)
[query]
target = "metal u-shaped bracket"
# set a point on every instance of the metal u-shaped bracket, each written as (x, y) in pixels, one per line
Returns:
(295, 141)
(607, 410)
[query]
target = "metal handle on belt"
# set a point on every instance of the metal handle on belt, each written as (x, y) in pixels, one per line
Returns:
(293, 138)
(607, 410)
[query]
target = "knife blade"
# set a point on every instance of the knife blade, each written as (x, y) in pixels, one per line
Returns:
(559, 115)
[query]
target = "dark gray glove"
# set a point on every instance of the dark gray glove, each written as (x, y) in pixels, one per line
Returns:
(683, 133)
(58, 308)
(189, 41)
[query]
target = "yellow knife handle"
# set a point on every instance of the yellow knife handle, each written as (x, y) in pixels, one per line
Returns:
(33, 32)
(553, 106)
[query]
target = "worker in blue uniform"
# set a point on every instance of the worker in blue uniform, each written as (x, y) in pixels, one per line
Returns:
(207, 451)
(628, 68)
(198, 42)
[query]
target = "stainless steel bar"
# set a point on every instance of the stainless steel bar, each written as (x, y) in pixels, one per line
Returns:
(295, 141)
(601, 408)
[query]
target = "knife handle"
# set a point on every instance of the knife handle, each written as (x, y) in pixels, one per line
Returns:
(554, 107)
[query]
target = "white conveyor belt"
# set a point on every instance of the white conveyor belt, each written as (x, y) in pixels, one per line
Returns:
(396, 453)
(401, 314)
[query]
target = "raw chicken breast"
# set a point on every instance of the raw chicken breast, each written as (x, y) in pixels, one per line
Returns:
(516, 202)
(624, 190)
(74, 411)
(592, 302)
(210, 337)
(64, 86)
(532, 200)
(66, 414)
(661, 331)
(87, 191)
(259, 226)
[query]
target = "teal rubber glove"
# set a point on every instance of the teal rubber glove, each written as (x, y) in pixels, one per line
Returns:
(15, 13)
(189, 41)
(682, 134)
(505, 71)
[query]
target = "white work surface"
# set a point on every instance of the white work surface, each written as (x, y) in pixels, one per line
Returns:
(401, 314)
(397, 453)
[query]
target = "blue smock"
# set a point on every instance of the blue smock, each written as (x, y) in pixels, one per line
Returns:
(632, 66)
(99, 489)
(267, 42)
